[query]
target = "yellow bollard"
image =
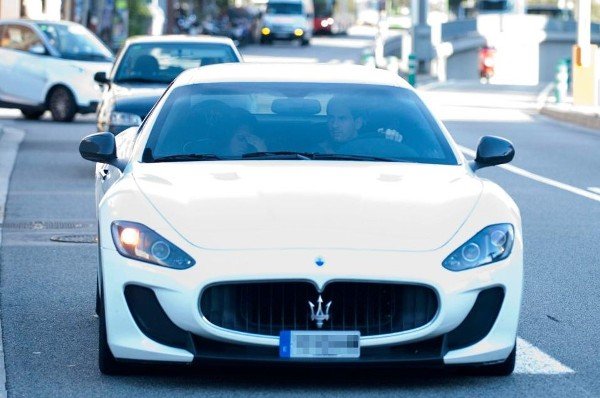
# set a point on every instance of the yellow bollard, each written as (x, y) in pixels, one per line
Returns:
(585, 76)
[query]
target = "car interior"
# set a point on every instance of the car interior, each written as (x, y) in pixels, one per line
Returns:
(201, 128)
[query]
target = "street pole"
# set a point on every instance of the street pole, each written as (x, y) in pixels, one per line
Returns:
(584, 26)
(585, 59)
(421, 35)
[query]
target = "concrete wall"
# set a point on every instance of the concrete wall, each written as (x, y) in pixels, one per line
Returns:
(463, 65)
(458, 59)
(555, 47)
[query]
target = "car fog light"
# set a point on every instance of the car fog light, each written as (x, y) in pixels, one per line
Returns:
(471, 252)
(330, 21)
(266, 31)
(324, 23)
(298, 32)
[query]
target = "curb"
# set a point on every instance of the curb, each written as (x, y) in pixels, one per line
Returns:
(589, 119)
(585, 117)
(10, 140)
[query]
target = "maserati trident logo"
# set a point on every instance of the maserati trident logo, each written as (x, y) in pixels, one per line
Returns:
(319, 316)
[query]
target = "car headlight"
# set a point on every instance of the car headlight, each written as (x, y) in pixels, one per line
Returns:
(491, 244)
(139, 242)
(124, 119)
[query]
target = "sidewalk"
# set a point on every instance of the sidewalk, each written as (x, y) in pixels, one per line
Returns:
(586, 116)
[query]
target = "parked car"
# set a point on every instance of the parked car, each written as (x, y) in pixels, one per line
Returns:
(245, 23)
(306, 214)
(49, 66)
(146, 66)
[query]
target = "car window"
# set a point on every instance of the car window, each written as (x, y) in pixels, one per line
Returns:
(21, 38)
(75, 42)
(4, 40)
(230, 120)
(284, 8)
(163, 62)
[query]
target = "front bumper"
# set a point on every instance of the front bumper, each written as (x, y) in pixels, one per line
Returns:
(283, 35)
(176, 295)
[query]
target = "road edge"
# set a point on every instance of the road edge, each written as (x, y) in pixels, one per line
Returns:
(588, 118)
(10, 140)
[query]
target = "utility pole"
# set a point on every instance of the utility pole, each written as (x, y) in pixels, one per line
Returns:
(585, 59)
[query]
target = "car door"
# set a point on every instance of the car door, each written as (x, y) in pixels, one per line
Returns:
(8, 58)
(24, 68)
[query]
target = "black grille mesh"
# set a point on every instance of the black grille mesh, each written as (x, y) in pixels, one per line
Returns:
(266, 308)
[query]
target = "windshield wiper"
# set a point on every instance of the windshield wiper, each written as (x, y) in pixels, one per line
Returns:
(186, 157)
(314, 156)
(278, 155)
(339, 156)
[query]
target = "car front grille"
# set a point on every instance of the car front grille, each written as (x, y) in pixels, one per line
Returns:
(281, 29)
(266, 308)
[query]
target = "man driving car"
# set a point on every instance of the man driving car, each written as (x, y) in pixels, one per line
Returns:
(344, 121)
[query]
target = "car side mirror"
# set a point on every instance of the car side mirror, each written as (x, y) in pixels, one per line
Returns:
(101, 78)
(492, 151)
(100, 148)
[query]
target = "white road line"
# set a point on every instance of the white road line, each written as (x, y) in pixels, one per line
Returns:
(539, 178)
(532, 360)
(543, 96)
(9, 146)
(594, 189)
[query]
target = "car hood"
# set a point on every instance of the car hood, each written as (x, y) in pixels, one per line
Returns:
(136, 99)
(306, 204)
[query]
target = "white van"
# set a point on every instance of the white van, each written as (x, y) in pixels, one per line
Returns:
(288, 20)
(50, 66)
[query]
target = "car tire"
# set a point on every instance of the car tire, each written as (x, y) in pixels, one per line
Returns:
(61, 104)
(504, 368)
(32, 114)
(107, 363)
(305, 42)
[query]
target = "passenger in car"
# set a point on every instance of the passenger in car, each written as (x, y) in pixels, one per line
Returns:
(242, 137)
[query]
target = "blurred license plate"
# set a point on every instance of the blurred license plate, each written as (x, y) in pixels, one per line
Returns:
(317, 344)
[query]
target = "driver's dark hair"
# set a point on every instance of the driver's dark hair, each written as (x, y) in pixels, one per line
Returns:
(348, 102)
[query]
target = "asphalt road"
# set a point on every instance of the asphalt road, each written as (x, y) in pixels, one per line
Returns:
(47, 288)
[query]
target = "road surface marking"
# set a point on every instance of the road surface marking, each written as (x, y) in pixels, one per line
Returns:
(539, 178)
(532, 360)
(9, 147)
(542, 97)
(594, 189)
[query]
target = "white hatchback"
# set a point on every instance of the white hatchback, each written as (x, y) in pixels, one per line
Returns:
(50, 66)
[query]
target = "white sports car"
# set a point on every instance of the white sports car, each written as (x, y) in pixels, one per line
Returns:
(294, 214)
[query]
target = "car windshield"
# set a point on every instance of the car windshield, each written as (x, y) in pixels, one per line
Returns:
(75, 42)
(284, 8)
(163, 62)
(304, 121)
